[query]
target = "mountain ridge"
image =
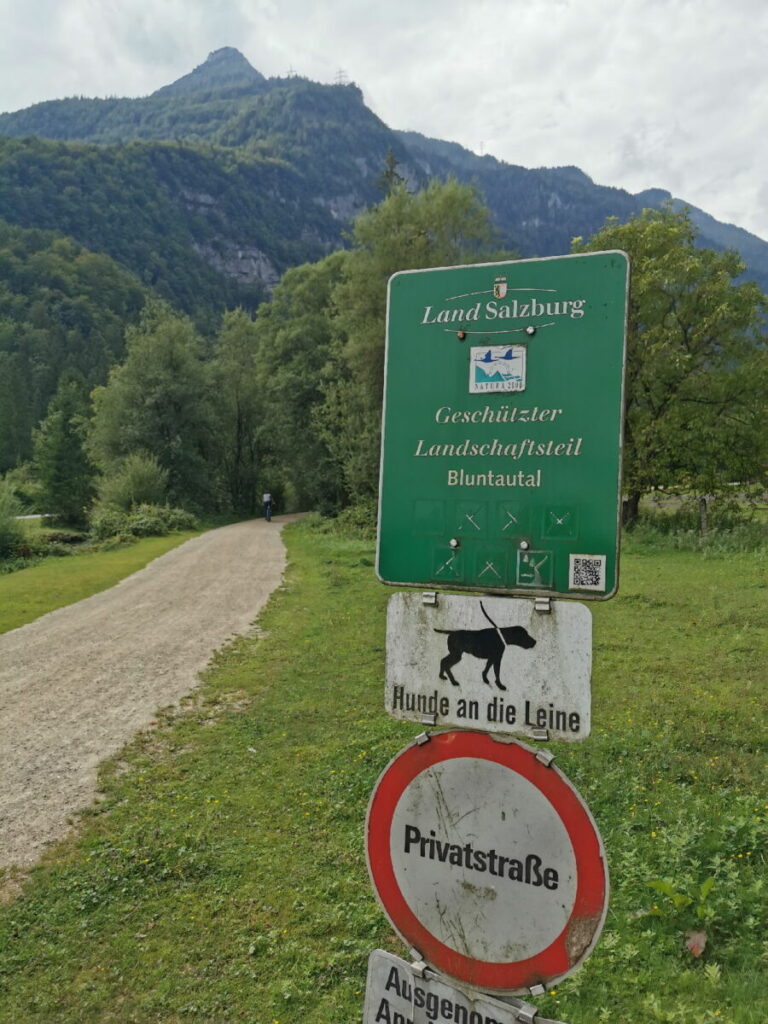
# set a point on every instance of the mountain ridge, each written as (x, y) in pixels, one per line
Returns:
(332, 149)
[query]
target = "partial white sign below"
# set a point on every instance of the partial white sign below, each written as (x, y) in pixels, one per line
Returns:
(395, 993)
(490, 663)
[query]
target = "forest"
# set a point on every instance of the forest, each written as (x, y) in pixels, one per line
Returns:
(114, 400)
(193, 290)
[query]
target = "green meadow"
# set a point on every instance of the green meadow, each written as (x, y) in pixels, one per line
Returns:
(223, 878)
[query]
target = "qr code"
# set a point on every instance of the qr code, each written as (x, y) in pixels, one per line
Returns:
(587, 572)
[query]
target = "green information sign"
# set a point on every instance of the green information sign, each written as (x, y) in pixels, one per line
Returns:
(501, 446)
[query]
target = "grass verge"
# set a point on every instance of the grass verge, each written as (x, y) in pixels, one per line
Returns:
(29, 593)
(223, 878)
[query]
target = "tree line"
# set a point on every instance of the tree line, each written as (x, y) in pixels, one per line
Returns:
(289, 399)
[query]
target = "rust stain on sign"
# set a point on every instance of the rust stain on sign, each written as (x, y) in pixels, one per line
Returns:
(580, 935)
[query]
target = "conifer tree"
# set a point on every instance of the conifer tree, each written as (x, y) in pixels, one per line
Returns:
(60, 462)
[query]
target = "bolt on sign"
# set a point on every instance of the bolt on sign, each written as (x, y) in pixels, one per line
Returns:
(502, 427)
(400, 993)
(487, 862)
(492, 663)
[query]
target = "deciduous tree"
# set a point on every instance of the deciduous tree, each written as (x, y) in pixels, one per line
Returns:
(159, 402)
(241, 435)
(444, 225)
(295, 331)
(695, 348)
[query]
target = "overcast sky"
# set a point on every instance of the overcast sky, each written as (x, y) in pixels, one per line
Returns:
(637, 93)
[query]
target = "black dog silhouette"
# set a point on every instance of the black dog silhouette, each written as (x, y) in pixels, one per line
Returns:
(482, 643)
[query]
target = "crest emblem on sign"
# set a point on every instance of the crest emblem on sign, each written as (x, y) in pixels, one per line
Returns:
(499, 287)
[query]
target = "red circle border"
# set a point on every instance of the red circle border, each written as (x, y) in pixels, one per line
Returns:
(571, 947)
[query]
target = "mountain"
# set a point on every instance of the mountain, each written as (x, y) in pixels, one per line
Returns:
(207, 229)
(225, 73)
(541, 210)
(212, 186)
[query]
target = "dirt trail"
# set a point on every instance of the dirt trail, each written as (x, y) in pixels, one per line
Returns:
(78, 683)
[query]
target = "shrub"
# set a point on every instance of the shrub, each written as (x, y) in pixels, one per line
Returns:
(179, 519)
(27, 487)
(731, 528)
(140, 480)
(357, 521)
(107, 521)
(61, 537)
(11, 531)
(722, 514)
(141, 521)
(146, 521)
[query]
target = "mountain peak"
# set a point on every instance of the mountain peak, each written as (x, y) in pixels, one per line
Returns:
(229, 57)
(225, 71)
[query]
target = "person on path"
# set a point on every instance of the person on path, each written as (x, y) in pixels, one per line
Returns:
(267, 499)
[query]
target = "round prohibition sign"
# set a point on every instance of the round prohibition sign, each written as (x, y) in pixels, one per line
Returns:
(486, 861)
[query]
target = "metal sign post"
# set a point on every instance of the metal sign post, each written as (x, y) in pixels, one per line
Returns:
(501, 442)
(500, 474)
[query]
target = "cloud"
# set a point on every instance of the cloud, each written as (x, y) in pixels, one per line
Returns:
(665, 93)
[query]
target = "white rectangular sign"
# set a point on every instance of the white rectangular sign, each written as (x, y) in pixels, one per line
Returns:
(491, 663)
(394, 994)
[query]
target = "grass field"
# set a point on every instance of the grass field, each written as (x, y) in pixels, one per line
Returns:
(223, 878)
(29, 593)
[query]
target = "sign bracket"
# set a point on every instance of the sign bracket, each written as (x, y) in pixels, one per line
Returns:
(525, 1013)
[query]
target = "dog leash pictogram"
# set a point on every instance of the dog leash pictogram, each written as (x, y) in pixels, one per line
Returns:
(498, 631)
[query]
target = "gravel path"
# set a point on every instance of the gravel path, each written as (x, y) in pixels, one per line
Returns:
(78, 683)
